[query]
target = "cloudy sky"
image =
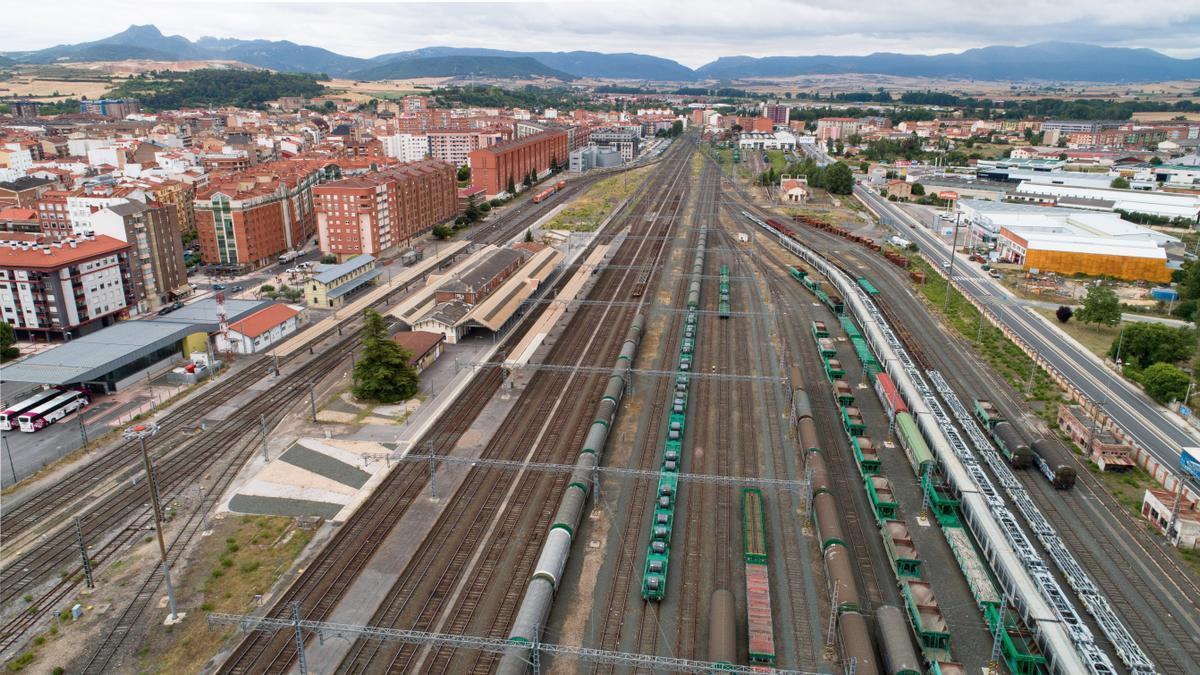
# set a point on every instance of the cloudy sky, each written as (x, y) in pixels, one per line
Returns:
(692, 32)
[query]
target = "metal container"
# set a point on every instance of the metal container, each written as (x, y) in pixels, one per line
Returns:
(722, 628)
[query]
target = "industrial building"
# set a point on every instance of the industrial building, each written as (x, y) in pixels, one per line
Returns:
(111, 359)
(1069, 241)
(1164, 204)
(594, 157)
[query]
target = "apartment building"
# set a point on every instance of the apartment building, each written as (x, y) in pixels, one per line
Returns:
(455, 147)
(66, 289)
(495, 167)
(248, 218)
(377, 212)
(153, 229)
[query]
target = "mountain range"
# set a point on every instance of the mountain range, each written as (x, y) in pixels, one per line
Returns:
(1042, 61)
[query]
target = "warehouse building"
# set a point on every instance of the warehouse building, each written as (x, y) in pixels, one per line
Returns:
(1099, 198)
(1069, 241)
(111, 359)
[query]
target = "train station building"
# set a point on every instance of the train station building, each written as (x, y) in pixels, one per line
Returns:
(485, 291)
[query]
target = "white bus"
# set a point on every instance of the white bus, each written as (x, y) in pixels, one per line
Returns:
(8, 418)
(52, 411)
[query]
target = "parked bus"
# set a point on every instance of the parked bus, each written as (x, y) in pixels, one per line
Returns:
(52, 411)
(8, 418)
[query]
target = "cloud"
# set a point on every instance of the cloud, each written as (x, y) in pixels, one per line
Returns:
(693, 33)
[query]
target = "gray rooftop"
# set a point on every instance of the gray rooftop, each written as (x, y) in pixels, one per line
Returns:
(203, 313)
(483, 271)
(92, 356)
(447, 313)
(130, 208)
(331, 273)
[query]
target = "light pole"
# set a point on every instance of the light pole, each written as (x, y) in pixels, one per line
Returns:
(141, 432)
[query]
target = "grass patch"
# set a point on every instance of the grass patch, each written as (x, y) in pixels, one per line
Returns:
(258, 549)
(1097, 338)
(587, 212)
(1005, 357)
(1128, 487)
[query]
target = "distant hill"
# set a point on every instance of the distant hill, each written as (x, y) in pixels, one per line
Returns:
(1043, 61)
(283, 55)
(578, 63)
(460, 65)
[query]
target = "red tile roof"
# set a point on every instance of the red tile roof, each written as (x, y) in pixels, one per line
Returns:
(60, 255)
(418, 342)
(263, 320)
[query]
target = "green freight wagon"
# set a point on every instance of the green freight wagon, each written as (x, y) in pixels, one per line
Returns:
(754, 531)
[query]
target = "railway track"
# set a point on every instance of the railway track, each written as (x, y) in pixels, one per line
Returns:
(261, 653)
(456, 613)
(784, 505)
(1145, 585)
(124, 515)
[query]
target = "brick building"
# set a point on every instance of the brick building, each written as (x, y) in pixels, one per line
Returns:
(376, 212)
(65, 289)
(159, 273)
(250, 217)
(494, 168)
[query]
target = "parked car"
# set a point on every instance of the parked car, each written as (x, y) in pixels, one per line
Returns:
(238, 289)
(218, 287)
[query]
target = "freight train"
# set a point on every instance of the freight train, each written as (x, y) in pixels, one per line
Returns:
(1066, 644)
(539, 594)
(854, 635)
(658, 552)
(760, 633)
(1054, 461)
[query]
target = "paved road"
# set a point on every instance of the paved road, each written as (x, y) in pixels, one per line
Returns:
(1144, 420)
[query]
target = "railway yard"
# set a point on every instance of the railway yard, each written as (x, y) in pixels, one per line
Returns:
(746, 443)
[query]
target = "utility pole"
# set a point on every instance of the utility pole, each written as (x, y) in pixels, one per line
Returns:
(262, 420)
(950, 271)
(312, 400)
(87, 563)
(141, 432)
(11, 467)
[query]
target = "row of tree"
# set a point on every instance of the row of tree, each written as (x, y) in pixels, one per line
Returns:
(170, 90)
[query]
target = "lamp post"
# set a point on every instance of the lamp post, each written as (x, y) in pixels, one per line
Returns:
(141, 432)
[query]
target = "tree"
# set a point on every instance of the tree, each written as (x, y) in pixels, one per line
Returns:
(329, 106)
(7, 337)
(1100, 306)
(528, 182)
(1120, 183)
(442, 232)
(1144, 343)
(383, 373)
(839, 180)
(464, 173)
(918, 190)
(1064, 314)
(472, 212)
(329, 259)
(528, 235)
(1156, 161)
(1164, 382)
(512, 188)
